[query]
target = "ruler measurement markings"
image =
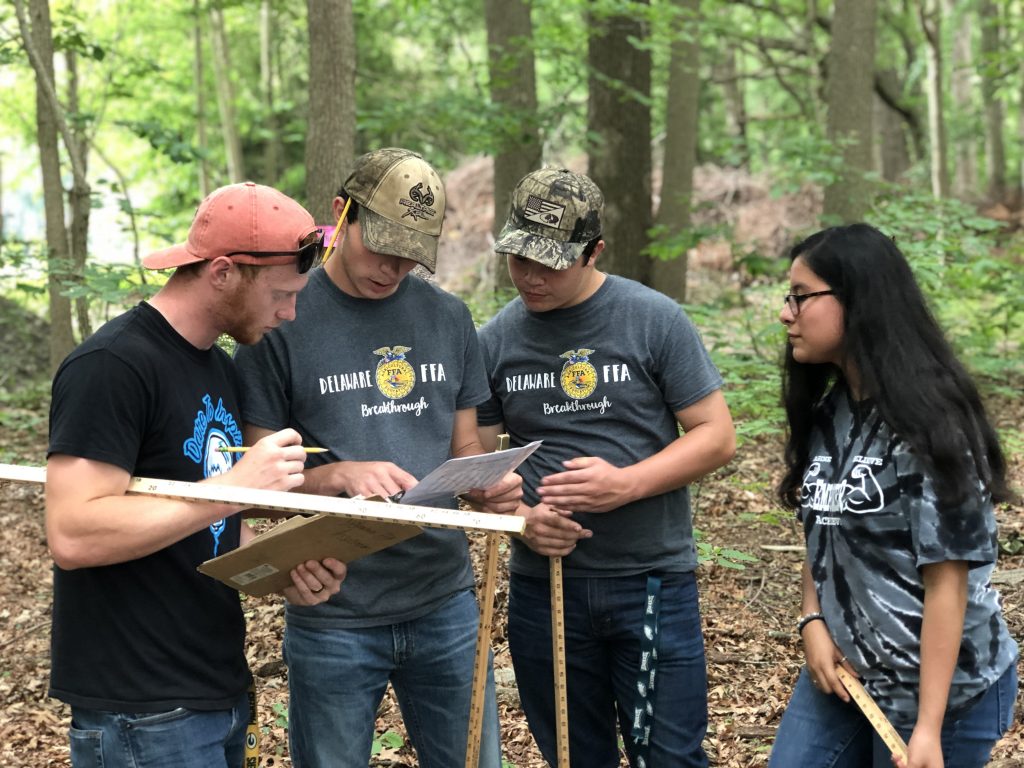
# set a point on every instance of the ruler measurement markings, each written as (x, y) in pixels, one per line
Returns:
(483, 644)
(285, 501)
(558, 659)
(885, 730)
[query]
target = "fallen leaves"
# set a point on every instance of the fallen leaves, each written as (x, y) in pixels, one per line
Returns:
(752, 652)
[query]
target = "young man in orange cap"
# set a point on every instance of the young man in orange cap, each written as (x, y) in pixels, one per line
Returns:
(148, 652)
(384, 369)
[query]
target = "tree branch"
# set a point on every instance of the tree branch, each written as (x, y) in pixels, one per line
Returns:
(49, 90)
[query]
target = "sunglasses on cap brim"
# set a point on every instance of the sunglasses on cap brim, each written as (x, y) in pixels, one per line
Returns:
(308, 255)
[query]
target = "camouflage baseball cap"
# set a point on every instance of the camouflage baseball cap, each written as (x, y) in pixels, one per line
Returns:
(555, 213)
(402, 204)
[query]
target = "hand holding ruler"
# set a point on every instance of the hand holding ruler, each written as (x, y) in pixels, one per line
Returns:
(885, 730)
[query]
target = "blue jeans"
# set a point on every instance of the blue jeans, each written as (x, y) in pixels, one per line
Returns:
(338, 677)
(818, 730)
(603, 625)
(180, 738)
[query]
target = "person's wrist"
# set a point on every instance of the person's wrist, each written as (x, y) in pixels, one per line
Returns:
(807, 618)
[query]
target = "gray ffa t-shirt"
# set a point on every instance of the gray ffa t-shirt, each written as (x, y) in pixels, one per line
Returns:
(872, 520)
(602, 378)
(374, 380)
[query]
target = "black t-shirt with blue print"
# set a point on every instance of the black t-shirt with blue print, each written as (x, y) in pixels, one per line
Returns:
(872, 519)
(150, 634)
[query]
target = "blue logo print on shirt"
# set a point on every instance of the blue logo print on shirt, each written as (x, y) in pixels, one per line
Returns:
(214, 428)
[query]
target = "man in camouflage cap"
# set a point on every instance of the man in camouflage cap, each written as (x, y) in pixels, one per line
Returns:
(555, 214)
(402, 201)
(608, 373)
(384, 369)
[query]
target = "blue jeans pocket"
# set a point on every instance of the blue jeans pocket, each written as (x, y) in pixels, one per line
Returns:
(153, 719)
(86, 748)
(176, 738)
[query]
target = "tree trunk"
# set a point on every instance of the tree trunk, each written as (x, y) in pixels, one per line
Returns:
(1020, 122)
(851, 67)
(513, 88)
(995, 152)
(964, 174)
(669, 276)
(331, 134)
(81, 200)
(37, 37)
(1, 205)
(892, 154)
(727, 74)
(931, 23)
(226, 96)
(272, 145)
(619, 117)
(205, 187)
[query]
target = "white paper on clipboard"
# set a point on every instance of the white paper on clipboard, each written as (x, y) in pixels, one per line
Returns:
(457, 476)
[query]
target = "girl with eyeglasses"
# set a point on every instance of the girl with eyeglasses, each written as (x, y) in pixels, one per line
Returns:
(893, 468)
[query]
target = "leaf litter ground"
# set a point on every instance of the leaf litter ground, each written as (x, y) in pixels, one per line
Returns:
(753, 656)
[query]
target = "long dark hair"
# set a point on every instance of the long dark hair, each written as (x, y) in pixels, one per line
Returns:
(904, 364)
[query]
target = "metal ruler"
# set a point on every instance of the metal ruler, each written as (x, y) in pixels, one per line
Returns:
(483, 644)
(885, 730)
(301, 503)
(558, 657)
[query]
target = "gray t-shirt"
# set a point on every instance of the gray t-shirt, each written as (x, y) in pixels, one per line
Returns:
(872, 520)
(374, 380)
(602, 378)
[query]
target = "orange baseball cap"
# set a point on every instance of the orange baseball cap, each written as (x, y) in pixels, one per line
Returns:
(246, 217)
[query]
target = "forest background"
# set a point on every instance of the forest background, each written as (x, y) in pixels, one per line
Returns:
(721, 132)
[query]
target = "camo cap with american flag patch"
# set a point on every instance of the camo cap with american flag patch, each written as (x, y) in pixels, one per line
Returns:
(555, 213)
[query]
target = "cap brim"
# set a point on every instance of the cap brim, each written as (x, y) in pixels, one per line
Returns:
(544, 250)
(383, 235)
(167, 258)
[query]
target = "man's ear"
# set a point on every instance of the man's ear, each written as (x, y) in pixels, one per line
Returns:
(220, 271)
(597, 252)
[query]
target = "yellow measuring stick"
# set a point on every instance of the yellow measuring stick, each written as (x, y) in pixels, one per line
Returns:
(885, 730)
(558, 657)
(302, 503)
(252, 732)
(483, 644)
(244, 448)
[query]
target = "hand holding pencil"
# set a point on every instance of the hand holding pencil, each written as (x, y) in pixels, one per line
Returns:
(274, 463)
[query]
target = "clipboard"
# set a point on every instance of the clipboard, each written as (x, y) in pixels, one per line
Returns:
(263, 566)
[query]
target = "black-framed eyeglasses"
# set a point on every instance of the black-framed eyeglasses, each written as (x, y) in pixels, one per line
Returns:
(795, 300)
(308, 255)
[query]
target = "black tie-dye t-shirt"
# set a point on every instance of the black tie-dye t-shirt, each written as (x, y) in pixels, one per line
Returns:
(872, 520)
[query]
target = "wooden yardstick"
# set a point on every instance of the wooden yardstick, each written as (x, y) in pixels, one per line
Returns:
(558, 657)
(483, 644)
(307, 504)
(885, 730)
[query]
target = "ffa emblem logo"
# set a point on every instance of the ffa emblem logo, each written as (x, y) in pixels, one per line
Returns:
(395, 377)
(419, 204)
(579, 377)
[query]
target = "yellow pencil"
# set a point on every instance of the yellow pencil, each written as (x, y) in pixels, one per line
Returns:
(244, 448)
